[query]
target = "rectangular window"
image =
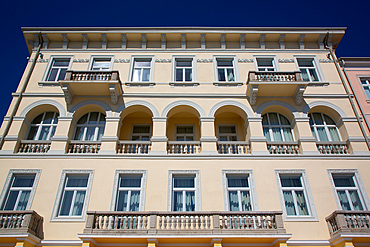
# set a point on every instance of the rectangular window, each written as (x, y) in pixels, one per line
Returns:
(101, 63)
(142, 69)
(227, 133)
(239, 193)
(129, 193)
(58, 69)
(365, 82)
(265, 64)
(183, 70)
(185, 133)
(183, 193)
(225, 69)
(19, 189)
(140, 132)
(72, 195)
(307, 67)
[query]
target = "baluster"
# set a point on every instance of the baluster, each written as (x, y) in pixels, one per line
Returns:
(166, 220)
(144, 223)
(102, 222)
(125, 219)
(160, 222)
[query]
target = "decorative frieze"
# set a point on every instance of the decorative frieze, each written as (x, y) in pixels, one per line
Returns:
(124, 40)
(121, 60)
(245, 60)
(163, 60)
(65, 40)
(205, 60)
(286, 60)
(85, 40)
(326, 61)
(281, 41)
(163, 41)
(81, 60)
(104, 41)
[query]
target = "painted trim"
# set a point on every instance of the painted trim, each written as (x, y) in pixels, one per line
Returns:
(54, 103)
(108, 111)
(148, 105)
(242, 106)
(192, 104)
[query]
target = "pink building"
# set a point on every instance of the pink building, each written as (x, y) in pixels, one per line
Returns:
(357, 72)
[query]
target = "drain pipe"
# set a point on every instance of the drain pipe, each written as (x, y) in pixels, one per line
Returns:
(17, 103)
(334, 57)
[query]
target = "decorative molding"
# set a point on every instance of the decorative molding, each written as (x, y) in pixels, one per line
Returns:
(253, 94)
(301, 41)
(143, 41)
(202, 60)
(279, 103)
(298, 95)
(85, 41)
(107, 109)
(163, 41)
(81, 60)
(163, 60)
(242, 41)
(262, 41)
(104, 41)
(65, 41)
(45, 60)
(58, 105)
(146, 104)
(203, 41)
(245, 60)
(122, 60)
(113, 94)
(240, 105)
(223, 41)
(36, 40)
(124, 41)
(281, 41)
(286, 60)
(183, 41)
(46, 41)
(68, 93)
(320, 41)
(334, 107)
(326, 61)
(192, 104)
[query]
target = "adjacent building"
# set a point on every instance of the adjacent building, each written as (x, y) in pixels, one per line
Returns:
(183, 137)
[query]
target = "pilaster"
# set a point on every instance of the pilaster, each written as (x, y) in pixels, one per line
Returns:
(17, 130)
(63, 132)
(159, 138)
(255, 136)
(208, 139)
(302, 131)
(110, 138)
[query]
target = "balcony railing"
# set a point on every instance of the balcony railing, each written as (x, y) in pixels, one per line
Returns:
(134, 147)
(84, 147)
(332, 147)
(283, 147)
(91, 75)
(32, 146)
(233, 147)
(354, 222)
(275, 76)
(184, 222)
(183, 147)
(21, 222)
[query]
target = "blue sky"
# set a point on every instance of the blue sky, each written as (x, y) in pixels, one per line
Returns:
(141, 13)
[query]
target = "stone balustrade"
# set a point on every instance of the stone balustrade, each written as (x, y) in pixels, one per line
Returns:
(283, 147)
(84, 147)
(233, 147)
(91, 75)
(183, 147)
(134, 147)
(332, 147)
(274, 76)
(32, 146)
(184, 222)
(21, 222)
(344, 222)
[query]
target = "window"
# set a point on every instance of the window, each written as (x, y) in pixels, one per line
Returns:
(142, 69)
(184, 69)
(101, 63)
(72, 195)
(90, 127)
(58, 69)
(129, 190)
(308, 69)
(295, 195)
(43, 126)
(140, 132)
(348, 189)
(323, 128)
(185, 133)
(265, 64)
(227, 133)
(276, 127)
(366, 86)
(225, 70)
(184, 194)
(19, 189)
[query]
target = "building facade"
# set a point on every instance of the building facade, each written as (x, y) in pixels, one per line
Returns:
(183, 137)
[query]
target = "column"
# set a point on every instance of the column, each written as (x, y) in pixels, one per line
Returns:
(17, 130)
(208, 138)
(159, 138)
(351, 133)
(63, 133)
(302, 130)
(109, 139)
(255, 136)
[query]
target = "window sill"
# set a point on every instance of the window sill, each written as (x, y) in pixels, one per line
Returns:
(184, 84)
(68, 219)
(300, 218)
(48, 84)
(228, 84)
(140, 84)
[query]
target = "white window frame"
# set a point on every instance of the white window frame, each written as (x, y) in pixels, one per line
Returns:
(117, 175)
(251, 189)
(367, 79)
(357, 180)
(98, 57)
(196, 174)
(85, 126)
(9, 180)
(275, 62)
(42, 124)
(280, 126)
(307, 192)
(58, 199)
(325, 126)
(227, 134)
(193, 67)
(233, 58)
(141, 134)
(316, 64)
(184, 125)
(49, 67)
(143, 57)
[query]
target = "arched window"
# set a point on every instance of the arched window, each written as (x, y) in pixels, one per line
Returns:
(43, 126)
(90, 127)
(323, 127)
(276, 127)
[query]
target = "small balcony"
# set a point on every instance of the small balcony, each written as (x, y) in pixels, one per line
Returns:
(355, 223)
(332, 147)
(275, 84)
(91, 83)
(283, 147)
(21, 223)
(233, 147)
(134, 147)
(34, 147)
(183, 147)
(84, 147)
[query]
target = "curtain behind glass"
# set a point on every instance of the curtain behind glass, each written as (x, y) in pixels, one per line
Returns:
(23, 200)
(343, 200)
(23, 181)
(66, 203)
(291, 181)
(237, 182)
(289, 203)
(234, 201)
(74, 181)
(11, 200)
(135, 201)
(190, 201)
(183, 182)
(78, 204)
(122, 201)
(302, 206)
(177, 201)
(356, 202)
(246, 201)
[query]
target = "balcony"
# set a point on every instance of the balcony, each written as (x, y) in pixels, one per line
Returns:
(84, 147)
(355, 223)
(134, 147)
(21, 223)
(283, 147)
(183, 147)
(275, 84)
(91, 83)
(233, 147)
(332, 147)
(32, 146)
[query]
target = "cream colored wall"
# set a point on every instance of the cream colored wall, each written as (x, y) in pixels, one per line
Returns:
(128, 122)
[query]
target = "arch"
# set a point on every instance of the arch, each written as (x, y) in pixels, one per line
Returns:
(279, 103)
(108, 111)
(148, 105)
(59, 106)
(218, 105)
(194, 105)
(334, 107)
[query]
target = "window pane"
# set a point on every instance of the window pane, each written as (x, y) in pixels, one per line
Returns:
(266, 133)
(184, 129)
(237, 182)
(313, 75)
(136, 75)
(221, 75)
(227, 129)
(100, 133)
(38, 119)
(328, 120)
(52, 131)
(234, 201)
(177, 201)
(343, 181)
(246, 201)
(32, 133)
(334, 134)
(225, 63)
(305, 63)
(343, 200)
(23, 181)
(102, 118)
(135, 201)
(76, 181)
(141, 129)
(44, 133)
(141, 64)
(230, 75)
(304, 75)
(284, 120)
(61, 63)
(277, 134)
(322, 134)
(23, 200)
(146, 73)
(183, 63)
(313, 132)
(291, 181)
(188, 75)
(62, 74)
(83, 119)
(48, 117)
(78, 204)
(79, 133)
(265, 62)
(90, 133)
(355, 200)
(53, 74)
(289, 203)
(122, 201)
(301, 201)
(367, 91)
(132, 182)
(66, 203)
(12, 198)
(318, 118)
(273, 119)
(265, 120)
(183, 182)
(93, 117)
(288, 134)
(178, 75)
(190, 201)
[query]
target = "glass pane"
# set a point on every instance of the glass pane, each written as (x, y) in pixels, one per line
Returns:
(301, 203)
(12, 198)
(132, 182)
(227, 129)
(136, 75)
(340, 181)
(234, 201)
(23, 181)
(177, 201)
(183, 63)
(367, 91)
(146, 74)
(184, 129)
(190, 201)
(264, 62)
(102, 118)
(90, 134)
(66, 203)
(122, 201)
(141, 64)
(246, 201)
(313, 75)
(135, 138)
(83, 119)
(62, 74)
(328, 120)
(79, 133)
(76, 181)
(79, 203)
(223, 138)
(32, 133)
(52, 131)
(356, 202)
(276, 133)
(38, 119)
(100, 133)
(318, 118)
(188, 75)
(53, 74)
(304, 75)
(266, 133)
(334, 134)
(289, 203)
(135, 201)
(343, 200)
(273, 119)
(189, 138)
(61, 63)
(265, 120)
(291, 181)
(221, 75)
(305, 63)
(101, 64)
(237, 182)
(230, 75)
(224, 63)
(44, 133)
(178, 75)
(141, 129)
(313, 132)
(48, 117)
(232, 138)
(284, 120)
(288, 136)
(23, 200)
(93, 117)
(322, 134)
(183, 182)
